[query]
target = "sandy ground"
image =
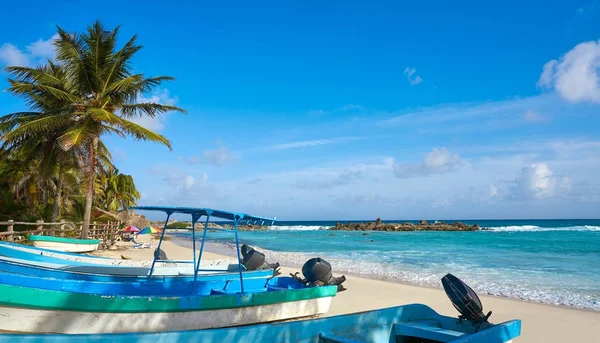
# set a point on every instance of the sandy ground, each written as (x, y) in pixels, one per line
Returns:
(540, 323)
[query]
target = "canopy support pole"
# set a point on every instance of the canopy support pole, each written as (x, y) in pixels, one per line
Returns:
(195, 218)
(157, 251)
(197, 266)
(236, 220)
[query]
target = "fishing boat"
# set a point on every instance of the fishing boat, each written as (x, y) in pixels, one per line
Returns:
(64, 244)
(102, 273)
(49, 306)
(32, 253)
(401, 324)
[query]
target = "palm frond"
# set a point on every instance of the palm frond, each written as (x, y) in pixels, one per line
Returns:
(150, 109)
(141, 133)
(26, 88)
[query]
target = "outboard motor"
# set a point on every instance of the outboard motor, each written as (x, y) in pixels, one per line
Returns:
(160, 254)
(465, 300)
(317, 272)
(254, 260)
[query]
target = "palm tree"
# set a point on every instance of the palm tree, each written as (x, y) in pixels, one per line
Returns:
(115, 191)
(89, 93)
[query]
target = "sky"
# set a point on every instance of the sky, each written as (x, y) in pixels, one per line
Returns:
(306, 110)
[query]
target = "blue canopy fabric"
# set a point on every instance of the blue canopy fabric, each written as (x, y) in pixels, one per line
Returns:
(199, 212)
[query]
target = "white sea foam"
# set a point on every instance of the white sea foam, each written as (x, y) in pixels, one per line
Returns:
(534, 228)
(491, 281)
(298, 227)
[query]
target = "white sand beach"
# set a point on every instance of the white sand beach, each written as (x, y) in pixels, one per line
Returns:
(540, 323)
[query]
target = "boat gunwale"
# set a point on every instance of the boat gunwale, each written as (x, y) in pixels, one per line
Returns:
(64, 240)
(43, 299)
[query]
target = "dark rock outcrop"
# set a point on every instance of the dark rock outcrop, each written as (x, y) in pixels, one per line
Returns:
(422, 226)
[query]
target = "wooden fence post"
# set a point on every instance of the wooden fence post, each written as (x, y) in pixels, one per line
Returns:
(10, 228)
(52, 230)
(62, 228)
(40, 227)
(94, 230)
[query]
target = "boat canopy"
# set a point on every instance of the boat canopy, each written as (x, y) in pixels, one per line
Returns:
(197, 213)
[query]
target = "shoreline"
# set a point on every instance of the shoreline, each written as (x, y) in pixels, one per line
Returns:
(225, 251)
(540, 322)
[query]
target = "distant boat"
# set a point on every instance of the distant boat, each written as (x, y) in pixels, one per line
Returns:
(64, 244)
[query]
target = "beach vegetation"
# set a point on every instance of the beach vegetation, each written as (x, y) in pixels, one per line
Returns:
(54, 155)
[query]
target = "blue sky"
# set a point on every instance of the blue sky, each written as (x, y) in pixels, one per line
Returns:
(356, 110)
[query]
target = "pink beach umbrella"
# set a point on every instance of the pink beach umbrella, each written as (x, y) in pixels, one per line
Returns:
(131, 228)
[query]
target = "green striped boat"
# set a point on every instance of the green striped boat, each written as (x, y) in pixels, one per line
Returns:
(36, 310)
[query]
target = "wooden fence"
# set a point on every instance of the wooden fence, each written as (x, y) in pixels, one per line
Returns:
(107, 232)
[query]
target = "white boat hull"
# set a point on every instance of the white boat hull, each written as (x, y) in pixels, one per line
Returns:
(66, 247)
(212, 267)
(70, 322)
(223, 263)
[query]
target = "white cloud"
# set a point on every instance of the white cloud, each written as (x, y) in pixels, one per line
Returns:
(409, 73)
(533, 116)
(33, 54)
(43, 48)
(439, 160)
(12, 56)
(157, 123)
(493, 191)
(310, 143)
(189, 182)
(345, 177)
(218, 157)
(575, 75)
(194, 160)
(537, 181)
(440, 203)
(468, 117)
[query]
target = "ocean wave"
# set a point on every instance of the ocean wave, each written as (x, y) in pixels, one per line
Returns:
(534, 228)
(495, 282)
(298, 227)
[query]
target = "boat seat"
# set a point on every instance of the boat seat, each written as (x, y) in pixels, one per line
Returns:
(429, 329)
(329, 337)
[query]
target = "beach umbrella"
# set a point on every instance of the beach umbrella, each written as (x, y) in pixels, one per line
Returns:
(131, 228)
(149, 230)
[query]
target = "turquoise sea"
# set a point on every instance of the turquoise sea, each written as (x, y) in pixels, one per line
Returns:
(548, 261)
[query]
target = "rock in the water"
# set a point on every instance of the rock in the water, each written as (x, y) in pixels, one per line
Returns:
(422, 226)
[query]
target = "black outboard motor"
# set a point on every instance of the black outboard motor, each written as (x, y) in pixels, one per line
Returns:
(254, 260)
(465, 300)
(160, 254)
(317, 272)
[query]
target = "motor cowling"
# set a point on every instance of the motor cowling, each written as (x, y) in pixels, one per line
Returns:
(318, 272)
(465, 300)
(255, 260)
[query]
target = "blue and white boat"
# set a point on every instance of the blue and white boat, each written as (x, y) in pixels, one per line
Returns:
(28, 260)
(402, 324)
(31, 253)
(96, 272)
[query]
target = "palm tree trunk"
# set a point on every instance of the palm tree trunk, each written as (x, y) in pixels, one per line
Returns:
(58, 196)
(89, 193)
